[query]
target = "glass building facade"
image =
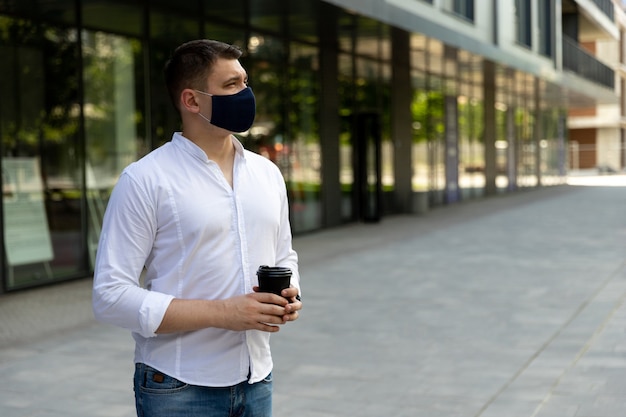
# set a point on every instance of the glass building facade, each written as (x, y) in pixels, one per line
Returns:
(364, 119)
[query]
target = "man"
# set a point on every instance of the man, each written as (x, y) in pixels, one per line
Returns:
(200, 214)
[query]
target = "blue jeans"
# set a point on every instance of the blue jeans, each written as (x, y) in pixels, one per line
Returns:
(160, 395)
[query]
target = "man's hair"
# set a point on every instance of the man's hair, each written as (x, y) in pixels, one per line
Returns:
(192, 62)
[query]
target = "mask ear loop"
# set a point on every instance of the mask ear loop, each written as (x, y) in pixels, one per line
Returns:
(200, 114)
(204, 92)
(204, 117)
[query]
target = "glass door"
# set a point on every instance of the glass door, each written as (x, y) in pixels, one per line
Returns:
(367, 190)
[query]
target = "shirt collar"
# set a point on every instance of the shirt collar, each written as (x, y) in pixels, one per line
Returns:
(188, 146)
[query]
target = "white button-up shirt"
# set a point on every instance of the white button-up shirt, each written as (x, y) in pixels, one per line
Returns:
(174, 213)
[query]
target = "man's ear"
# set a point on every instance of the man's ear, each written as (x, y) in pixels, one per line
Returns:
(188, 101)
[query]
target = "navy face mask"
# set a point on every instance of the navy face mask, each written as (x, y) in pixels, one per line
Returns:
(233, 112)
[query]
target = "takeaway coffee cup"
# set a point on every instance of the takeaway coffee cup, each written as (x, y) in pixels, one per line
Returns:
(273, 279)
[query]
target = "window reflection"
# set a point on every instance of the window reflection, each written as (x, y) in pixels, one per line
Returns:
(346, 103)
(304, 169)
(166, 29)
(303, 20)
(506, 166)
(552, 145)
(288, 133)
(41, 161)
(419, 151)
(524, 126)
(430, 119)
(231, 11)
(108, 15)
(264, 63)
(387, 148)
(471, 145)
(114, 133)
(267, 14)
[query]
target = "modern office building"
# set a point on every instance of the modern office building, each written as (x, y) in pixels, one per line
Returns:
(596, 139)
(369, 107)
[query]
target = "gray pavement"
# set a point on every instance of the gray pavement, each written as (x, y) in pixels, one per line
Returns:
(510, 306)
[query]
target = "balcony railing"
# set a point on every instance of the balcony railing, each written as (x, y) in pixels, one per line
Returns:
(606, 6)
(586, 65)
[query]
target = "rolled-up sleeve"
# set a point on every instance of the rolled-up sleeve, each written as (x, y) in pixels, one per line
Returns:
(125, 242)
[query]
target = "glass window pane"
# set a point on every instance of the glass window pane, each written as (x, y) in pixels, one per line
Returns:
(41, 163)
(346, 106)
(374, 161)
(524, 126)
(505, 129)
(115, 17)
(419, 149)
(226, 33)
(114, 118)
(346, 30)
(303, 19)
(387, 146)
(18, 7)
(113, 88)
(263, 64)
(231, 10)
(303, 148)
(164, 119)
(59, 11)
(187, 6)
(551, 146)
(385, 43)
(434, 56)
(418, 54)
(171, 31)
(267, 14)
(367, 74)
(368, 35)
(434, 122)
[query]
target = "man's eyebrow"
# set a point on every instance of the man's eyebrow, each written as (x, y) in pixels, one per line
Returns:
(236, 78)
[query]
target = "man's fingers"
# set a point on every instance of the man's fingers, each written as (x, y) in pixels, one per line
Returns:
(270, 298)
(267, 328)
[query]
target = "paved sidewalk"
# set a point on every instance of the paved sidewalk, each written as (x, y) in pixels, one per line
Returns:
(509, 306)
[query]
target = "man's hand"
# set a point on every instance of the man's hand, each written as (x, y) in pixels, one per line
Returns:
(295, 305)
(255, 311)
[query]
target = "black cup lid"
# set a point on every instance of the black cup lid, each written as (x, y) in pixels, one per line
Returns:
(273, 270)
